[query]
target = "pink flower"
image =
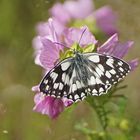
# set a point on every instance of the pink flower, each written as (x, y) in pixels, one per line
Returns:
(114, 48)
(60, 13)
(47, 28)
(37, 45)
(48, 47)
(106, 20)
(44, 44)
(49, 105)
(48, 56)
(81, 9)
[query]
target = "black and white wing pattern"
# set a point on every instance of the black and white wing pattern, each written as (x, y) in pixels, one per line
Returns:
(83, 75)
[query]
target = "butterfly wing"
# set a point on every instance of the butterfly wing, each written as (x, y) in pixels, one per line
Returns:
(93, 74)
(105, 71)
(56, 81)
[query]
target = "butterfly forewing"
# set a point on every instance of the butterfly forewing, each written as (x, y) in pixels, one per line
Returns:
(56, 81)
(89, 73)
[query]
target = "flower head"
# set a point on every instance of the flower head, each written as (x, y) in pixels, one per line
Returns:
(48, 44)
(48, 55)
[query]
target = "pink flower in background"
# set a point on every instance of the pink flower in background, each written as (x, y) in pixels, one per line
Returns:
(60, 13)
(114, 48)
(81, 9)
(106, 20)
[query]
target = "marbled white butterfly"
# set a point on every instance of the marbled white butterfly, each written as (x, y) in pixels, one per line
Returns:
(82, 75)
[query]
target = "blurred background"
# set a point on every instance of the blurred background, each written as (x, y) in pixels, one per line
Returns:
(18, 73)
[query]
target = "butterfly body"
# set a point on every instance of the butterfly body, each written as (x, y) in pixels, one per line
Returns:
(85, 73)
(80, 66)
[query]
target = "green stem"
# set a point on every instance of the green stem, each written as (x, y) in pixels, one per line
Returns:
(100, 111)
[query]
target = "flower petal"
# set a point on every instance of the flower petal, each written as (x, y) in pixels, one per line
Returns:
(59, 27)
(52, 33)
(58, 107)
(37, 45)
(81, 36)
(36, 89)
(38, 98)
(48, 105)
(42, 28)
(114, 48)
(106, 20)
(107, 47)
(49, 54)
(133, 63)
(67, 102)
(120, 50)
(48, 28)
(79, 9)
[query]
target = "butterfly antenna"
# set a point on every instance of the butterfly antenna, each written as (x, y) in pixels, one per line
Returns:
(60, 44)
(82, 35)
(63, 45)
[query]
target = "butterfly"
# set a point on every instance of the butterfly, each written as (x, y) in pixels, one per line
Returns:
(84, 74)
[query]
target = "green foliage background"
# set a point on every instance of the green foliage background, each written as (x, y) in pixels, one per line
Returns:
(18, 73)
